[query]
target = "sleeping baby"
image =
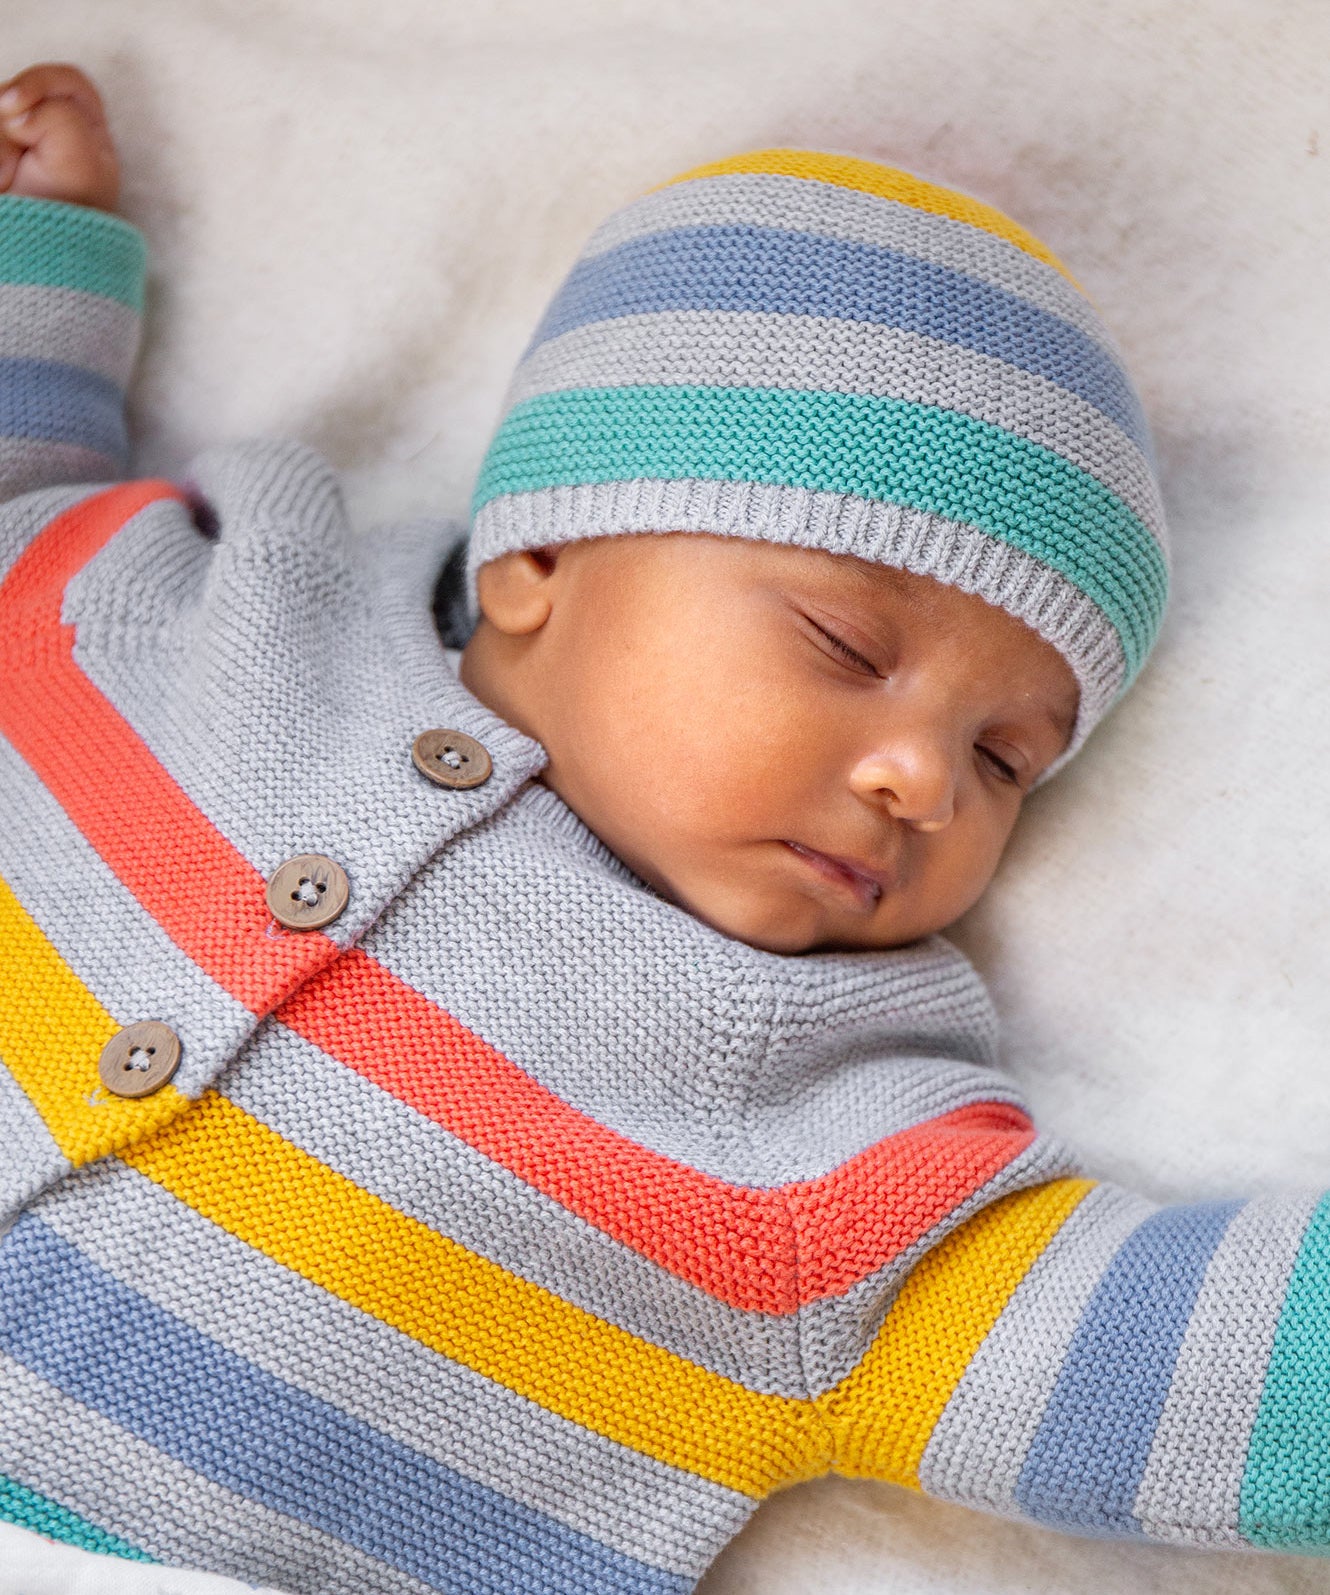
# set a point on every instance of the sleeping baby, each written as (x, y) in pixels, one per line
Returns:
(482, 1120)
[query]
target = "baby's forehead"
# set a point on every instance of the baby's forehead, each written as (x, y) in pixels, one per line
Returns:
(884, 603)
(859, 579)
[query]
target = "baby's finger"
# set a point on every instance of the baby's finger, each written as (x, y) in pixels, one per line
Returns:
(50, 80)
(9, 157)
(59, 124)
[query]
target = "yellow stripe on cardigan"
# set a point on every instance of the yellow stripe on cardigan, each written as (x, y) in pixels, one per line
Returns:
(886, 182)
(279, 1199)
(884, 1413)
(52, 1031)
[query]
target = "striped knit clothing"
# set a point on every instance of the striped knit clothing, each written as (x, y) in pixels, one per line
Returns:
(516, 1232)
(822, 351)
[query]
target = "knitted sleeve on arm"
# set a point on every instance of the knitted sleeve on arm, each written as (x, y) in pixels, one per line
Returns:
(1077, 1356)
(71, 296)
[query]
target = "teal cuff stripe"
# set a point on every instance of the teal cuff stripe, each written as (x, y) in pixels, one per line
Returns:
(883, 449)
(1285, 1502)
(70, 246)
(23, 1506)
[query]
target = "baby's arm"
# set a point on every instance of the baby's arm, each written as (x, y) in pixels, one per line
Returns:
(1078, 1356)
(71, 283)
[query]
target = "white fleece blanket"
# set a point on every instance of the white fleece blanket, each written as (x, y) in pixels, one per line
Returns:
(357, 209)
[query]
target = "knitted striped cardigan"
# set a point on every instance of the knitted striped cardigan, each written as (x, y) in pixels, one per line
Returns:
(515, 1232)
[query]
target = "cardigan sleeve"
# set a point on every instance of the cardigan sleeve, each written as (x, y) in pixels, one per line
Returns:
(1079, 1357)
(71, 294)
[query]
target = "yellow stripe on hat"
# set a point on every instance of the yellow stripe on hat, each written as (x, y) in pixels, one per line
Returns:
(52, 1031)
(884, 1413)
(886, 182)
(276, 1197)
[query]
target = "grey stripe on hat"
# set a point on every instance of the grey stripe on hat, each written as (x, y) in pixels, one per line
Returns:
(63, 1449)
(772, 199)
(301, 1333)
(888, 534)
(722, 348)
(976, 1451)
(389, 1150)
(1192, 1484)
(66, 324)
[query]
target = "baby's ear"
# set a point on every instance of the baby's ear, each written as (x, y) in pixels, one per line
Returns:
(515, 590)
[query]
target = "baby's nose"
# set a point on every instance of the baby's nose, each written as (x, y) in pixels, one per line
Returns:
(913, 776)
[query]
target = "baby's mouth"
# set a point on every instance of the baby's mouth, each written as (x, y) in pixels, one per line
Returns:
(866, 884)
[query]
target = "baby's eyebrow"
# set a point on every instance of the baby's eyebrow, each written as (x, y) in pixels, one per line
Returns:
(1063, 721)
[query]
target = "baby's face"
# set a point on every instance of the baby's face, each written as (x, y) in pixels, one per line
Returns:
(803, 750)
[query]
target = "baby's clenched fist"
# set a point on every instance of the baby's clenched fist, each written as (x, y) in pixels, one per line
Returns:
(54, 142)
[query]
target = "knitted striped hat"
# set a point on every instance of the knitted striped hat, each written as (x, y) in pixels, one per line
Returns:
(817, 350)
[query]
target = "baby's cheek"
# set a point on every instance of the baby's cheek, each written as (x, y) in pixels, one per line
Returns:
(750, 908)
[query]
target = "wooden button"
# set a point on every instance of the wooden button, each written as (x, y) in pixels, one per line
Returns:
(451, 758)
(307, 892)
(140, 1059)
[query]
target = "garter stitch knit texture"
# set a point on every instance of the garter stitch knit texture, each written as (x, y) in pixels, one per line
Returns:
(824, 351)
(516, 1233)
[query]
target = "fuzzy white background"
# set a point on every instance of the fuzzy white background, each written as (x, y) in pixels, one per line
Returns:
(357, 210)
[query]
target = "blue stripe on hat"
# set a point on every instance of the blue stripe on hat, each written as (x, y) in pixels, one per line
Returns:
(61, 403)
(795, 273)
(1085, 1463)
(104, 1344)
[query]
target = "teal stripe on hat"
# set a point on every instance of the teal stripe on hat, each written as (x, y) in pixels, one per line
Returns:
(51, 245)
(1285, 1502)
(19, 1504)
(883, 449)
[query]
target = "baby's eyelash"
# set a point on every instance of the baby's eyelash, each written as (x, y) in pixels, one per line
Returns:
(844, 649)
(1005, 770)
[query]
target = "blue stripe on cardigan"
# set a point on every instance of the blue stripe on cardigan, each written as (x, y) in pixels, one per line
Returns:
(102, 1343)
(1084, 1467)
